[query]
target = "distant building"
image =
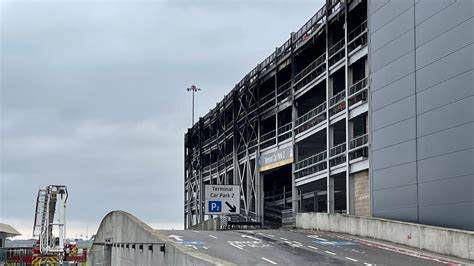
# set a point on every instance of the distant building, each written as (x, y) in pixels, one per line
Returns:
(368, 109)
(6, 231)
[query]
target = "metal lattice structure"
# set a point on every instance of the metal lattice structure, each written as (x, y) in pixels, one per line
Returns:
(315, 84)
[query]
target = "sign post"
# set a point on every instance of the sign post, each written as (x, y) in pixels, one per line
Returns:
(222, 199)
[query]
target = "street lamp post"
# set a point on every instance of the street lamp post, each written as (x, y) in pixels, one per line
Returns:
(194, 89)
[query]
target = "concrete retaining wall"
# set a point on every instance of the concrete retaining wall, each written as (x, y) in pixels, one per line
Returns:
(123, 239)
(440, 240)
(208, 225)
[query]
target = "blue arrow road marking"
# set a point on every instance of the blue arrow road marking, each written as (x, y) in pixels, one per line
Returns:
(334, 243)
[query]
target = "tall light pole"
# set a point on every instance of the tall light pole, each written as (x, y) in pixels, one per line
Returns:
(194, 89)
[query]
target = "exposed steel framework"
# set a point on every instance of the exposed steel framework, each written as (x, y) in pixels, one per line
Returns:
(310, 85)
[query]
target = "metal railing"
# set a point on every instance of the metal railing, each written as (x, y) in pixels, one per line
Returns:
(284, 132)
(339, 97)
(337, 150)
(311, 118)
(317, 19)
(267, 101)
(336, 47)
(358, 86)
(268, 139)
(358, 92)
(357, 37)
(310, 161)
(359, 141)
(336, 52)
(357, 31)
(317, 167)
(312, 66)
(284, 91)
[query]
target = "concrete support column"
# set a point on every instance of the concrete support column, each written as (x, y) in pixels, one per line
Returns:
(346, 89)
(330, 194)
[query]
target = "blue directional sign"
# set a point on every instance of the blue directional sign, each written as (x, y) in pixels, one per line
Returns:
(214, 206)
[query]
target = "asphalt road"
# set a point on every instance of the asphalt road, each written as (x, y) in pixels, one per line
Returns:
(284, 247)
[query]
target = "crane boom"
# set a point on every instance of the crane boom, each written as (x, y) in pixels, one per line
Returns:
(50, 219)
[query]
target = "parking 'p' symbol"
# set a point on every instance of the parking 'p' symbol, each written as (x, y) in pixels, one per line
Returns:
(214, 206)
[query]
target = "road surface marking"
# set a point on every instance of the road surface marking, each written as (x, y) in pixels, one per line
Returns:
(177, 238)
(271, 235)
(351, 259)
(195, 247)
(204, 247)
(368, 264)
(195, 231)
(260, 234)
(322, 239)
(296, 242)
(251, 237)
(213, 236)
(234, 245)
(272, 262)
(312, 247)
(329, 252)
(282, 238)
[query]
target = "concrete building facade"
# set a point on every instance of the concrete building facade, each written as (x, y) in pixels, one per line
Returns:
(367, 109)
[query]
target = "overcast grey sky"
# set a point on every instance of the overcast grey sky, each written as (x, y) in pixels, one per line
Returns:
(93, 96)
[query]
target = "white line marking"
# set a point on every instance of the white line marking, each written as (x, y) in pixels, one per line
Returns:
(312, 247)
(260, 234)
(296, 242)
(272, 262)
(322, 239)
(329, 252)
(234, 245)
(351, 259)
(204, 247)
(195, 247)
(368, 264)
(282, 238)
(195, 231)
(271, 235)
(213, 236)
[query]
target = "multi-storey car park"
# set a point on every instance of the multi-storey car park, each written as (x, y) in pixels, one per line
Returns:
(351, 115)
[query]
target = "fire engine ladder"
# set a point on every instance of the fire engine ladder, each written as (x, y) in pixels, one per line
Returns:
(40, 227)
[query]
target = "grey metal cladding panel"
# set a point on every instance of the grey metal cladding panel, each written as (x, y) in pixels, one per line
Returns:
(448, 165)
(394, 92)
(389, 12)
(400, 175)
(402, 214)
(395, 198)
(427, 8)
(375, 5)
(444, 44)
(456, 189)
(449, 91)
(394, 113)
(455, 215)
(447, 116)
(392, 30)
(452, 65)
(393, 50)
(392, 72)
(447, 141)
(394, 134)
(442, 21)
(394, 155)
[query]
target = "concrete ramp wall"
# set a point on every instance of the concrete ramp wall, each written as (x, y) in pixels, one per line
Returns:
(122, 239)
(440, 240)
